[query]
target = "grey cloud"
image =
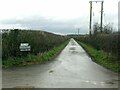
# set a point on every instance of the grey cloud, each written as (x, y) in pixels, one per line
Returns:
(50, 25)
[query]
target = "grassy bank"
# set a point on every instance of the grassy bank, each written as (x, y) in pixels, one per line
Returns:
(101, 57)
(34, 59)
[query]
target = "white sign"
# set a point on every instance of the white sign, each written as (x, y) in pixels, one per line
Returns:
(25, 47)
(24, 44)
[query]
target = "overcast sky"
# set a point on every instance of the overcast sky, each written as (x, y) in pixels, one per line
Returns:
(57, 16)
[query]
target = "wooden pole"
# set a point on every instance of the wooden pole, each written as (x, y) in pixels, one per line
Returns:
(90, 18)
(101, 16)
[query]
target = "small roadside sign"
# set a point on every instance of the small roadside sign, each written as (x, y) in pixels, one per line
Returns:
(25, 47)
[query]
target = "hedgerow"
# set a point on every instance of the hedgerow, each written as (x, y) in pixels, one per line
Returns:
(39, 41)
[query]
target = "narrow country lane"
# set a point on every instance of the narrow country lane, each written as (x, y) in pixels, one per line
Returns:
(73, 68)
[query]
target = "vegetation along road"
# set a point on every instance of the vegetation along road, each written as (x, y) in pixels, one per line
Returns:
(72, 68)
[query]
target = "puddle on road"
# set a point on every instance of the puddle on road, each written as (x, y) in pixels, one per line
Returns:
(103, 83)
(74, 52)
(51, 71)
(73, 44)
(72, 48)
(112, 82)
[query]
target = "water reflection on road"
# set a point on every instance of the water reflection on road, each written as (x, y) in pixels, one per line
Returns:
(73, 68)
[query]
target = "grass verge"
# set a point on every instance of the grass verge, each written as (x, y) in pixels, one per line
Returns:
(101, 57)
(34, 59)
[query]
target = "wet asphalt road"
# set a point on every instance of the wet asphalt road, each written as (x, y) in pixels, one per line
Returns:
(73, 68)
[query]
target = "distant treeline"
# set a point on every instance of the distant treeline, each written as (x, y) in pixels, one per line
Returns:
(39, 41)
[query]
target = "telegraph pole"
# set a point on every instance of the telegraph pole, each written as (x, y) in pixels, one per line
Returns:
(101, 16)
(78, 31)
(90, 18)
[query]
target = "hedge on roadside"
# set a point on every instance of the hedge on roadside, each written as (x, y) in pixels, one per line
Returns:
(106, 42)
(40, 42)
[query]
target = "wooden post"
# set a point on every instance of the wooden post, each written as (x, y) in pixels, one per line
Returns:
(90, 18)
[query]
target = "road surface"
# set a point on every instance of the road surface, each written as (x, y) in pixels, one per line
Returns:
(73, 68)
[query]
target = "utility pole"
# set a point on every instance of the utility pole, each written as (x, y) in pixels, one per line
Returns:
(101, 16)
(90, 18)
(78, 31)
